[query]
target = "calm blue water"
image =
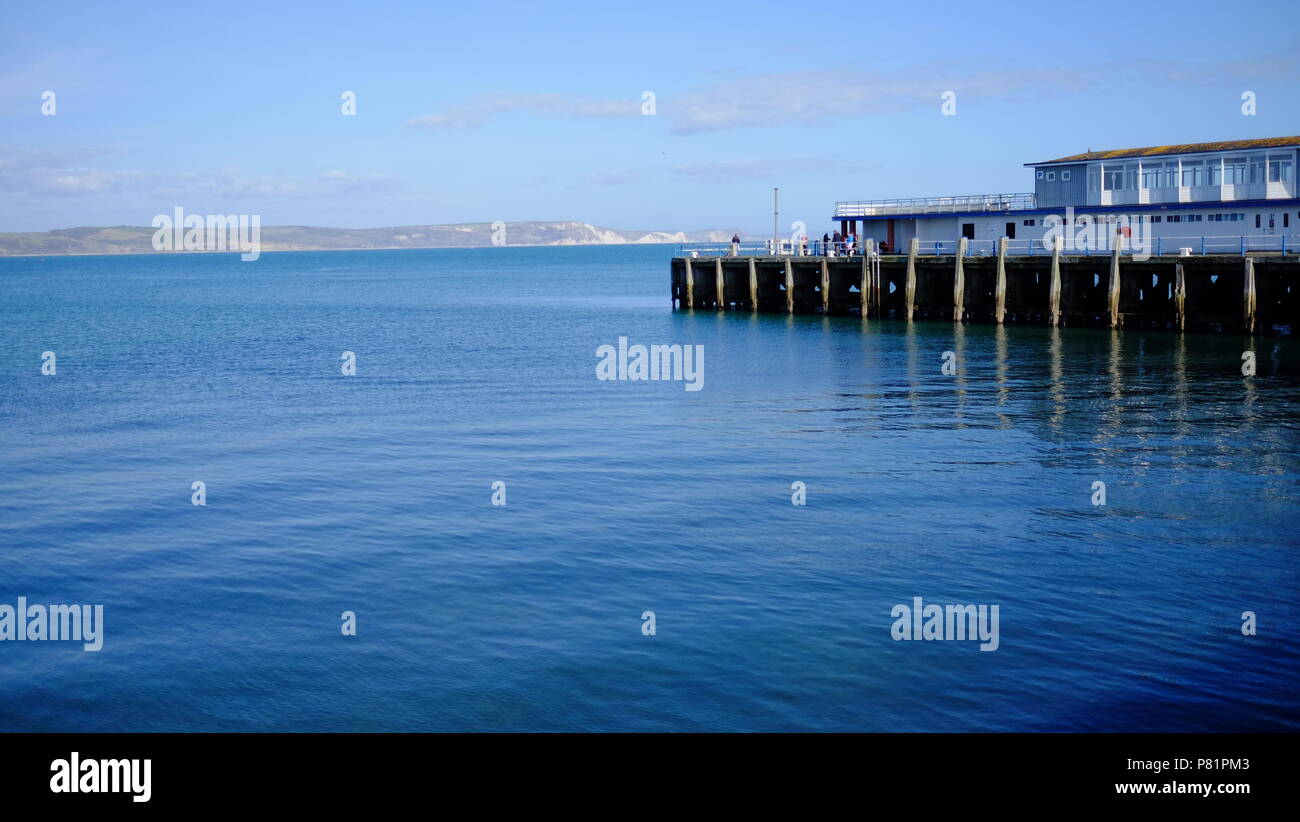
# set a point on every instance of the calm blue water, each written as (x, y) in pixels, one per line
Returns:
(372, 494)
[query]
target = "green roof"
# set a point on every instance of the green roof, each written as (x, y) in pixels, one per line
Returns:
(1186, 148)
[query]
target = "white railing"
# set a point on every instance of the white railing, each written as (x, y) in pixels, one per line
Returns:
(786, 247)
(849, 209)
(1155, 246)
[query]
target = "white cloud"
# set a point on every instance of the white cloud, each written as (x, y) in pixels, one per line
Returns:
(811, 98)
(847, 91)
(725, 170)
(478, 111)
(46, 173)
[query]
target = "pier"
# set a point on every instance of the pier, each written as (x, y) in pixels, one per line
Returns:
(1250, 292)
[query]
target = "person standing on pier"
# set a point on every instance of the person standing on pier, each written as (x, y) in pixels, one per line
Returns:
(735, 245)
(825, 250)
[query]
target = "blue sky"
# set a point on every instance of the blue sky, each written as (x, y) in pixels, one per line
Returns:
(532, 111)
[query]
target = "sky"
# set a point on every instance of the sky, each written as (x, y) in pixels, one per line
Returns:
(538, 111)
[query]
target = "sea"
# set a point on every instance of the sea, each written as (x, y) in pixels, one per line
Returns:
(425, 508)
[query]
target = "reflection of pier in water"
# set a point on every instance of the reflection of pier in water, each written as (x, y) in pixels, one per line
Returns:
(1140, 399)
(1251, 293)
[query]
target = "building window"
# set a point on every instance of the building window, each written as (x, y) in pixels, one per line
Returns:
(1094, 179)
(1286, 219)
(1029, 222)
(1051, 176)
(1156, 219)
(1256, 221)
(1214, 169)
(1040, 174)
(1234, 170)
(1279, 168)
(1065, 176)
(1193, 173)
(1113, 178)
(1257, 169)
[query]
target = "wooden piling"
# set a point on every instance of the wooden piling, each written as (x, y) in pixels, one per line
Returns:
(873, 279)
(1054, 290)
(721, 284)
(959, 283)
(910, 288)
(864, 286)
(1248, 297)
(826, 287)
(1180, 296)
(789, 286)
(1000, 289)
(1112, 296)
(690, 284)
(753, 285)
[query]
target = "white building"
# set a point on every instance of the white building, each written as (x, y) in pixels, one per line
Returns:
(1211, 197)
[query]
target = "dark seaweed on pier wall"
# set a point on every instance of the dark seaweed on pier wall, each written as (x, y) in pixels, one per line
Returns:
(1250, 294)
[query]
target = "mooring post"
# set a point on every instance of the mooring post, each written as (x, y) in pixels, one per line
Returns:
(720, 284)
(1248, 298)
(959, 283)
(826, 287)
(877, 294)
(753, 285)
(789, 287)
(1180, 296)
(690, 285)
(909, 289)
(1000, 290)
(1112, 300)
(864, 293)
(1054, 290)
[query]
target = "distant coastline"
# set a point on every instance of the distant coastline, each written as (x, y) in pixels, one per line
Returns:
(92, 240)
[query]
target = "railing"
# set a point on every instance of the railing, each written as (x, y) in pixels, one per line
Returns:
(934, 205)
(1154, 246)
(761, 248)
(766, 248)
